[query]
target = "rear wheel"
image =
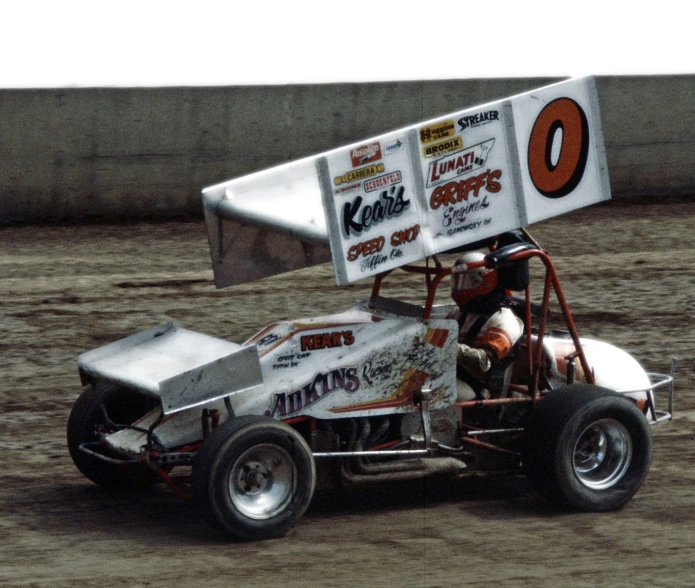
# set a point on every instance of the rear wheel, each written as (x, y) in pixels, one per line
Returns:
(253, 478)
(587, 448)
(87, 421)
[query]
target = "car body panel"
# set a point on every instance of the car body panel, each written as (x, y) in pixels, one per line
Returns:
(182, 368)
(359, 363)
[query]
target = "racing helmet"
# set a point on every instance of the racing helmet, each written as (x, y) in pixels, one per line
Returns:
(469, 284)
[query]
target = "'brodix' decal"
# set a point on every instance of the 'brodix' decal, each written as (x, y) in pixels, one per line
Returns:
(446, 146)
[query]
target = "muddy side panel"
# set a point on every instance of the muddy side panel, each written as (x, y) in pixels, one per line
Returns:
(361, 369)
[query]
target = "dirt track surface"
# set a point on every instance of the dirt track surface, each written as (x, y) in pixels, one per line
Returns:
(629, 274)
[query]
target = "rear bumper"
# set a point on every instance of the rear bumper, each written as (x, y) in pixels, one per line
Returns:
(659, 383)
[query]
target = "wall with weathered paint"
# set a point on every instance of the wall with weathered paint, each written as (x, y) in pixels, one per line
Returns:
(145, 153)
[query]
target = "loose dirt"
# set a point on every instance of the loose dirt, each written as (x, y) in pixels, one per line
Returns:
(628, 272)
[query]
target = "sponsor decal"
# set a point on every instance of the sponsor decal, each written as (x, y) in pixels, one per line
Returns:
(458, 215)
(456, 192)
(326, 340)
(413, 380)
(366, 248)
(290, 360)
(372, 372)
(405, 236)
(372, 263)
(446, 146)
(267, 340)
(393, 147)
(365, 154)
(358, 218)
(382, 181)
(376, 245)
(370, 250)
(436, 337)
(359, 174)
(469, 226)
(476, 120)
(452, 166)
(437, 131)
(284, 404)
(348, 188)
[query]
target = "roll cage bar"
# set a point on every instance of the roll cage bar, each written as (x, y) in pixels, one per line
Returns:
(502, 258)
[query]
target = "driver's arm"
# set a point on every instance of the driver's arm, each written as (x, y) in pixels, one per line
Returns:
(476, 362)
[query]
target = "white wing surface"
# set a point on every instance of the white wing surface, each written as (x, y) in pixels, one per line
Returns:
(416, 191)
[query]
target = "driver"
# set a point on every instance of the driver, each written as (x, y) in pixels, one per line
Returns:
(488, 328)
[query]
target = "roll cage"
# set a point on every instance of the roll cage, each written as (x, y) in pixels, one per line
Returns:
(506, 257)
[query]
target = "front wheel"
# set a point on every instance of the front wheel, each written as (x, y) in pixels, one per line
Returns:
(253, 478)
(88, 420)
(587, 448)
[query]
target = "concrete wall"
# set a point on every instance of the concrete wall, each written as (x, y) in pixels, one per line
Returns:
(145, 153)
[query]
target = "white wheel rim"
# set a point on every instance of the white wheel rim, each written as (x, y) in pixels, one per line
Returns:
(602, 454)
(263, 481)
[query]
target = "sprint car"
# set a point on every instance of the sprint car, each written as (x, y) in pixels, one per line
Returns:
(365, 395)
(248, 431)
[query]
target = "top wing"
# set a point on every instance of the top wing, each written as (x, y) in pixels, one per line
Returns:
(416, 191)
(266, 223)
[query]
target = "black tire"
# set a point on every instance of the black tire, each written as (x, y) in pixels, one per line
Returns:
(253, 478)
(586, 448)
(86, 418)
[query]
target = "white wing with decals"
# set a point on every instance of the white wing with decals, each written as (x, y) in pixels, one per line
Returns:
(414, 192)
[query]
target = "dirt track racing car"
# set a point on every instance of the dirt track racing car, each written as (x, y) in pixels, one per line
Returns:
(365, 395)
(370, 394)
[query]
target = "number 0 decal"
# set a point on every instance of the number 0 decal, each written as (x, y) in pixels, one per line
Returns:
(558, 179)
